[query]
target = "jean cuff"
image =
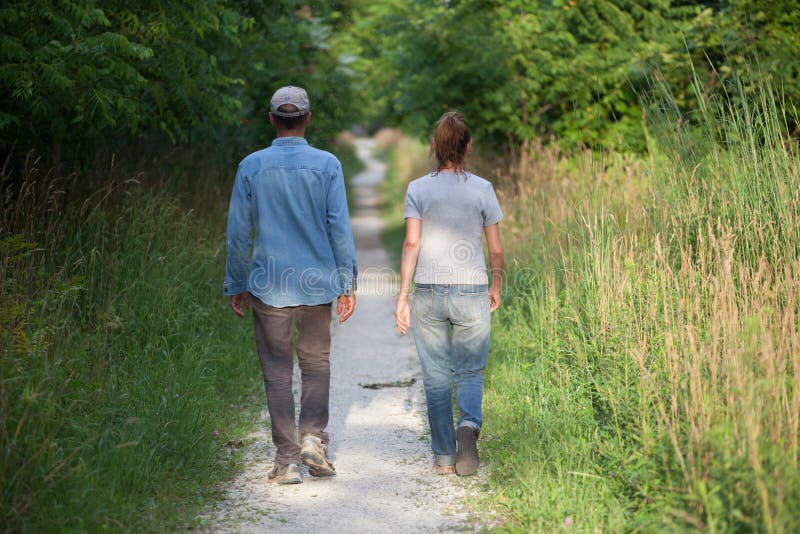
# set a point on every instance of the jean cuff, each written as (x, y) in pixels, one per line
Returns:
(445, 459)
(469, 424)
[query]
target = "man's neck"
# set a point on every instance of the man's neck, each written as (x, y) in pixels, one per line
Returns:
(292, 133)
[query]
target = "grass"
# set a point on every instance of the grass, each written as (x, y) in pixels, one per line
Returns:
(645, 372)
(124, 376)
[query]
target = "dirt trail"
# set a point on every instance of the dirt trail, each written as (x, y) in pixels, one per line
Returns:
(379, 436)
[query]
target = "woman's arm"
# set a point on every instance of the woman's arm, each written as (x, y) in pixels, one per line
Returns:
(408, 262)
(496, 263)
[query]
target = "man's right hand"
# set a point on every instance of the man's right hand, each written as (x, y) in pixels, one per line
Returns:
(237, 301)
(346, 306)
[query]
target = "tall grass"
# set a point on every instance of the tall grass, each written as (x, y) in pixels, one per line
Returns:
(656, 305)
(122, 373)
(645, 365)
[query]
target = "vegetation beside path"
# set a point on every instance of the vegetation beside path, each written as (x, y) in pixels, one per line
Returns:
(644, 369)
(127, 384)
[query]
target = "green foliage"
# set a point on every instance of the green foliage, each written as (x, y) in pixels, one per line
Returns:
(76, 77)
(74, 71)
(576, 70)
(576, 67)
(421, 58)
(295, 44)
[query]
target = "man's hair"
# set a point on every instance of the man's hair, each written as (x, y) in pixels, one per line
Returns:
(289, 123)
(450, 140)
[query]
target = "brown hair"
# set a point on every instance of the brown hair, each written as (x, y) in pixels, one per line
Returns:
(289, 124)
(451, 138)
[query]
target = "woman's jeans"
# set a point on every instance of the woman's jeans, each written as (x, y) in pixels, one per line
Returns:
(452, 324)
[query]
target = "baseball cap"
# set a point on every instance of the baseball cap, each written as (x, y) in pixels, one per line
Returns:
(290, 94)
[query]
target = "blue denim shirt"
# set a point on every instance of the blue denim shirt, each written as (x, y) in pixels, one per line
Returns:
(289, 206)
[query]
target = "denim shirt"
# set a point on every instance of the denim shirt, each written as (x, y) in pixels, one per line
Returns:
(289, 209)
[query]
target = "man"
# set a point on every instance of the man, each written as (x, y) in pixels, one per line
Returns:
(289, 206)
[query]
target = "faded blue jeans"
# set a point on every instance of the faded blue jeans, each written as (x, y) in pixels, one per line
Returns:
(452, 324)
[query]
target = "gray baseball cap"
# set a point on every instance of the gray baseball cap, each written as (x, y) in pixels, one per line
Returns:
(290, 94)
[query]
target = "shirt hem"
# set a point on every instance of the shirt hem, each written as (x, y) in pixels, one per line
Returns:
(288, 303)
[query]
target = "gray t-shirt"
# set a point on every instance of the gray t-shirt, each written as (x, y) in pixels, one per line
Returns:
(454, 208)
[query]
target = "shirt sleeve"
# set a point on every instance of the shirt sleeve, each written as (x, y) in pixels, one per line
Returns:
(492, 214)
(412, 209)
(239, 236)
(340, 234)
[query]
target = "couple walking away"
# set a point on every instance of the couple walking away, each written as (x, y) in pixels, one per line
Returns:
(290, 255)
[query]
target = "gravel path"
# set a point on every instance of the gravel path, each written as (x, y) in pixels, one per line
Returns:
(379, 437)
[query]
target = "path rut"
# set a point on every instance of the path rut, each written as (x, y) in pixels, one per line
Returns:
(379, 439)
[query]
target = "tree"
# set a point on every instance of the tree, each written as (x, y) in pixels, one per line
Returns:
(424, 57)
(575, 70)
(291, 45)
(86, 74)
(64, 70)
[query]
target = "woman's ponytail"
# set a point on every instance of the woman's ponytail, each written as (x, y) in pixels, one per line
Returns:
(451, 139)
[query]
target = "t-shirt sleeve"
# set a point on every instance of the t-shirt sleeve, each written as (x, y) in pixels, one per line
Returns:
(412, 205)
(492, 214)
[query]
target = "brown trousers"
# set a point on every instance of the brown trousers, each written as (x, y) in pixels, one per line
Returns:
(274, 328)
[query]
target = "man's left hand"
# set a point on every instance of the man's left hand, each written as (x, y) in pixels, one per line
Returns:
(346, 306)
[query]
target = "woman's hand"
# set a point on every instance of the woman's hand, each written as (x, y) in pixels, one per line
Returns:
(496, 261)
(408, 262)
(494, 297)
(402, 314)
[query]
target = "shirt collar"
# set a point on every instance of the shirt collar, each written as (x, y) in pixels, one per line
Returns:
(289, 141)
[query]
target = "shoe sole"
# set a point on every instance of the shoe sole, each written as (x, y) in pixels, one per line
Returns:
(317, 465)
(289, 481)
(294, 480)
(467, 457)
(298, 479)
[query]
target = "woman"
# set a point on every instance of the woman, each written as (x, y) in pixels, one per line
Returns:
(447, 212)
